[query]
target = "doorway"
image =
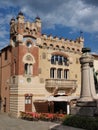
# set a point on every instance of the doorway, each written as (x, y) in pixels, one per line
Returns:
(60, 107)
(28, 103)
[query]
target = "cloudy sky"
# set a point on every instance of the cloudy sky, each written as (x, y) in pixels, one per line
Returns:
(62, 18)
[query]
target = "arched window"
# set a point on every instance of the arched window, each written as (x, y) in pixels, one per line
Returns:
(28, 69)
(52, 73)
(53, 59)
(29, 44)
(58, 59)
(59, 73)
(66, 72)
(28, 60)
(65, 61)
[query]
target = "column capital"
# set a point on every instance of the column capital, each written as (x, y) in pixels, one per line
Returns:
(86, 58)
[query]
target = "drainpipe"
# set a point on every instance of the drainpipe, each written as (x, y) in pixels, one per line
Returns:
(0, 80)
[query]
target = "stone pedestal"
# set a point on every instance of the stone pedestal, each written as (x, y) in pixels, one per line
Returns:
(86, 105)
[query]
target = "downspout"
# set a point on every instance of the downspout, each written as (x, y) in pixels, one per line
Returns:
(0, 80)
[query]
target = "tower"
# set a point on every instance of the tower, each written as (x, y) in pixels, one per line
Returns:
(24, 59)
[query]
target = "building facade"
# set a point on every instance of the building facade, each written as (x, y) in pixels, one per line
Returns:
(38, 72)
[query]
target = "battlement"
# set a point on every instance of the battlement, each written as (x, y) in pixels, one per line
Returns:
(79, 40)
(19, 26)
(63, 41)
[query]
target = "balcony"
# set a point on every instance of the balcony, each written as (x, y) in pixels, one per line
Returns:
(60, 83)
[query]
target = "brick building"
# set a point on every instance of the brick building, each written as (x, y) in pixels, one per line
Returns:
(38, 71)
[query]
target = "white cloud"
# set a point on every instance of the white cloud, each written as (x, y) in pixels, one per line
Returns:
(78, 14)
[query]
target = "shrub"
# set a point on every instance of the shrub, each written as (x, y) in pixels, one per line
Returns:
(88, 123)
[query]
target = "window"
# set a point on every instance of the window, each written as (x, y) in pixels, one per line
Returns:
(53, 60)
(52, 73)
(28, 100)
(58, 59)
(59, 73)
(65, 61)
(28, 69)
(66, 74)
(28, 60)
(29, 44)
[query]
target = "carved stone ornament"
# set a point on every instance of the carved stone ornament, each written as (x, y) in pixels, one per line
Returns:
(13, 28)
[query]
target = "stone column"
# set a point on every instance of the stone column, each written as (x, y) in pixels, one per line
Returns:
(86, 61)
(86, 105)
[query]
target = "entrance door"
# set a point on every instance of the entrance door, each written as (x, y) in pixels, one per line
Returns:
(60, 107)
(28, 103)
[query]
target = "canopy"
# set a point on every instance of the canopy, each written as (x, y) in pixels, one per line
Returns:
(62, 98)
(57, 99)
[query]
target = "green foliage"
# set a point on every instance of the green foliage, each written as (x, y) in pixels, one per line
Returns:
(88, 123)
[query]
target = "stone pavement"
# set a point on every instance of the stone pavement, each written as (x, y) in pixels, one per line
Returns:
(61, 127)
(9, 123)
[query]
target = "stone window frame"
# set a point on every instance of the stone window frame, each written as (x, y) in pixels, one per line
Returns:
(28, 64)
(59, 73)
(66, 73)
(52, 72)
(59, 59)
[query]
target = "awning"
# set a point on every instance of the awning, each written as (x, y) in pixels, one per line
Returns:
(57, 99)
(62, 98)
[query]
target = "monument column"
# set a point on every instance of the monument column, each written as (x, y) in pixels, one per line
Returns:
(86, 62)
(86, 104)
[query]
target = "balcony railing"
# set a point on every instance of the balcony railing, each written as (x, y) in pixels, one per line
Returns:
(60, 83)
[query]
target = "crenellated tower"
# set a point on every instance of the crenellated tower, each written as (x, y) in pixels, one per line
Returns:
(20, 29)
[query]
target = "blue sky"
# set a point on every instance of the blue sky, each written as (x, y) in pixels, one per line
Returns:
(62, 18)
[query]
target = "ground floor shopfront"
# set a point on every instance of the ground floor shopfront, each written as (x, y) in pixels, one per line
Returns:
(51, 104)
(60, 104)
